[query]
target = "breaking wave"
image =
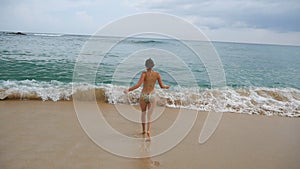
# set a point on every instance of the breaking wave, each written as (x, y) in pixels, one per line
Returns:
(47, 34)
(252, 100)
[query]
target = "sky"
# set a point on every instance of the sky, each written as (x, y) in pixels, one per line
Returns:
(249, 21)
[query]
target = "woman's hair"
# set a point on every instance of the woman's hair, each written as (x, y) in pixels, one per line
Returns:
(149, 63)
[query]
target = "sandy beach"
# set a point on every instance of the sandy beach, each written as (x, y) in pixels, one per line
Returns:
(38, 134)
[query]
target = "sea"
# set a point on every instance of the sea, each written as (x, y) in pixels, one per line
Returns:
(261, 79)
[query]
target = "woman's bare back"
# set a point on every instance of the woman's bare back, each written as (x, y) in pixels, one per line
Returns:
(149, 81)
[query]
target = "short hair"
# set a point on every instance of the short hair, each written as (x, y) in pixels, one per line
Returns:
(149, 63)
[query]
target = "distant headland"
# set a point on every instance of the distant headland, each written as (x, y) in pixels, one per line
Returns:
(16, 33)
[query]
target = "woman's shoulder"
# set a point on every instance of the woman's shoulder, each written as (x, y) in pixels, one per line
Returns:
(153, 73)
(156, 73)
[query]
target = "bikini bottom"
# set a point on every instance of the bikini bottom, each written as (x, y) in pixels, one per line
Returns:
(148, 97)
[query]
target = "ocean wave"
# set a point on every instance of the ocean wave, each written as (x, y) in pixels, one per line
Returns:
(144, 41)
(252, 100)
(46, 34)
(34, 90)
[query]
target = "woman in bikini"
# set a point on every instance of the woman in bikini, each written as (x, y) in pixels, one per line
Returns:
(147, 98)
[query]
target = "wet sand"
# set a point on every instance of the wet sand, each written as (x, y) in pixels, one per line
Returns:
(37, 134)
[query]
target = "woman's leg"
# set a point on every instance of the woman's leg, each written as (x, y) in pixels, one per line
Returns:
(143, 106)
(151, 107)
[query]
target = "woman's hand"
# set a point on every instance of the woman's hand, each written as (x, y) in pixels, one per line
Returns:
(126, 91)
(166, 87)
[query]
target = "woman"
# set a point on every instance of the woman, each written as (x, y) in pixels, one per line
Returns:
(147, 98)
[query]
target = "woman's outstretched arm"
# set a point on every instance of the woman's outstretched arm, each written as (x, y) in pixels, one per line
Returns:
(161, 83)
(140, 82)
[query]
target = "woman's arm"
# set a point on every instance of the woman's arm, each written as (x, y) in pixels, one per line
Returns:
(140, 82)
(161, 83)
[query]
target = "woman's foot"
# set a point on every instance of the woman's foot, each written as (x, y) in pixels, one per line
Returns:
(144, 132)
(149, 136)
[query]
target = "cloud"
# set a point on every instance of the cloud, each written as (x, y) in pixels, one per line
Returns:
(250, 35)
(25, 16)
(84, 17)
(68, 16)
(230, 20)
(275, 15)
(256, 21)
(86, 22)
(206, 22)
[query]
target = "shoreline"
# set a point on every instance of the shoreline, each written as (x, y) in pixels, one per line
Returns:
(265, 101)
(47, 134)
(162, 103)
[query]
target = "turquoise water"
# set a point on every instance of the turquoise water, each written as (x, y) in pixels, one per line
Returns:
(41, 64)
(46, 58)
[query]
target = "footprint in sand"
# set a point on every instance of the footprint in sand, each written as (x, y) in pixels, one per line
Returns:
(155, 163)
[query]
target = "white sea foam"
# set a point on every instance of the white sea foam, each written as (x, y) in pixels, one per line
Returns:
(44, 34)
(265, 101)
(31, 89)
(255, 100)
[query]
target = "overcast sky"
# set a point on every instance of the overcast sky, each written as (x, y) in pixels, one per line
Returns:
(255, 21)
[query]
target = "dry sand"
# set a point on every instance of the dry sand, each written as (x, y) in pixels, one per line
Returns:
(37, 134)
